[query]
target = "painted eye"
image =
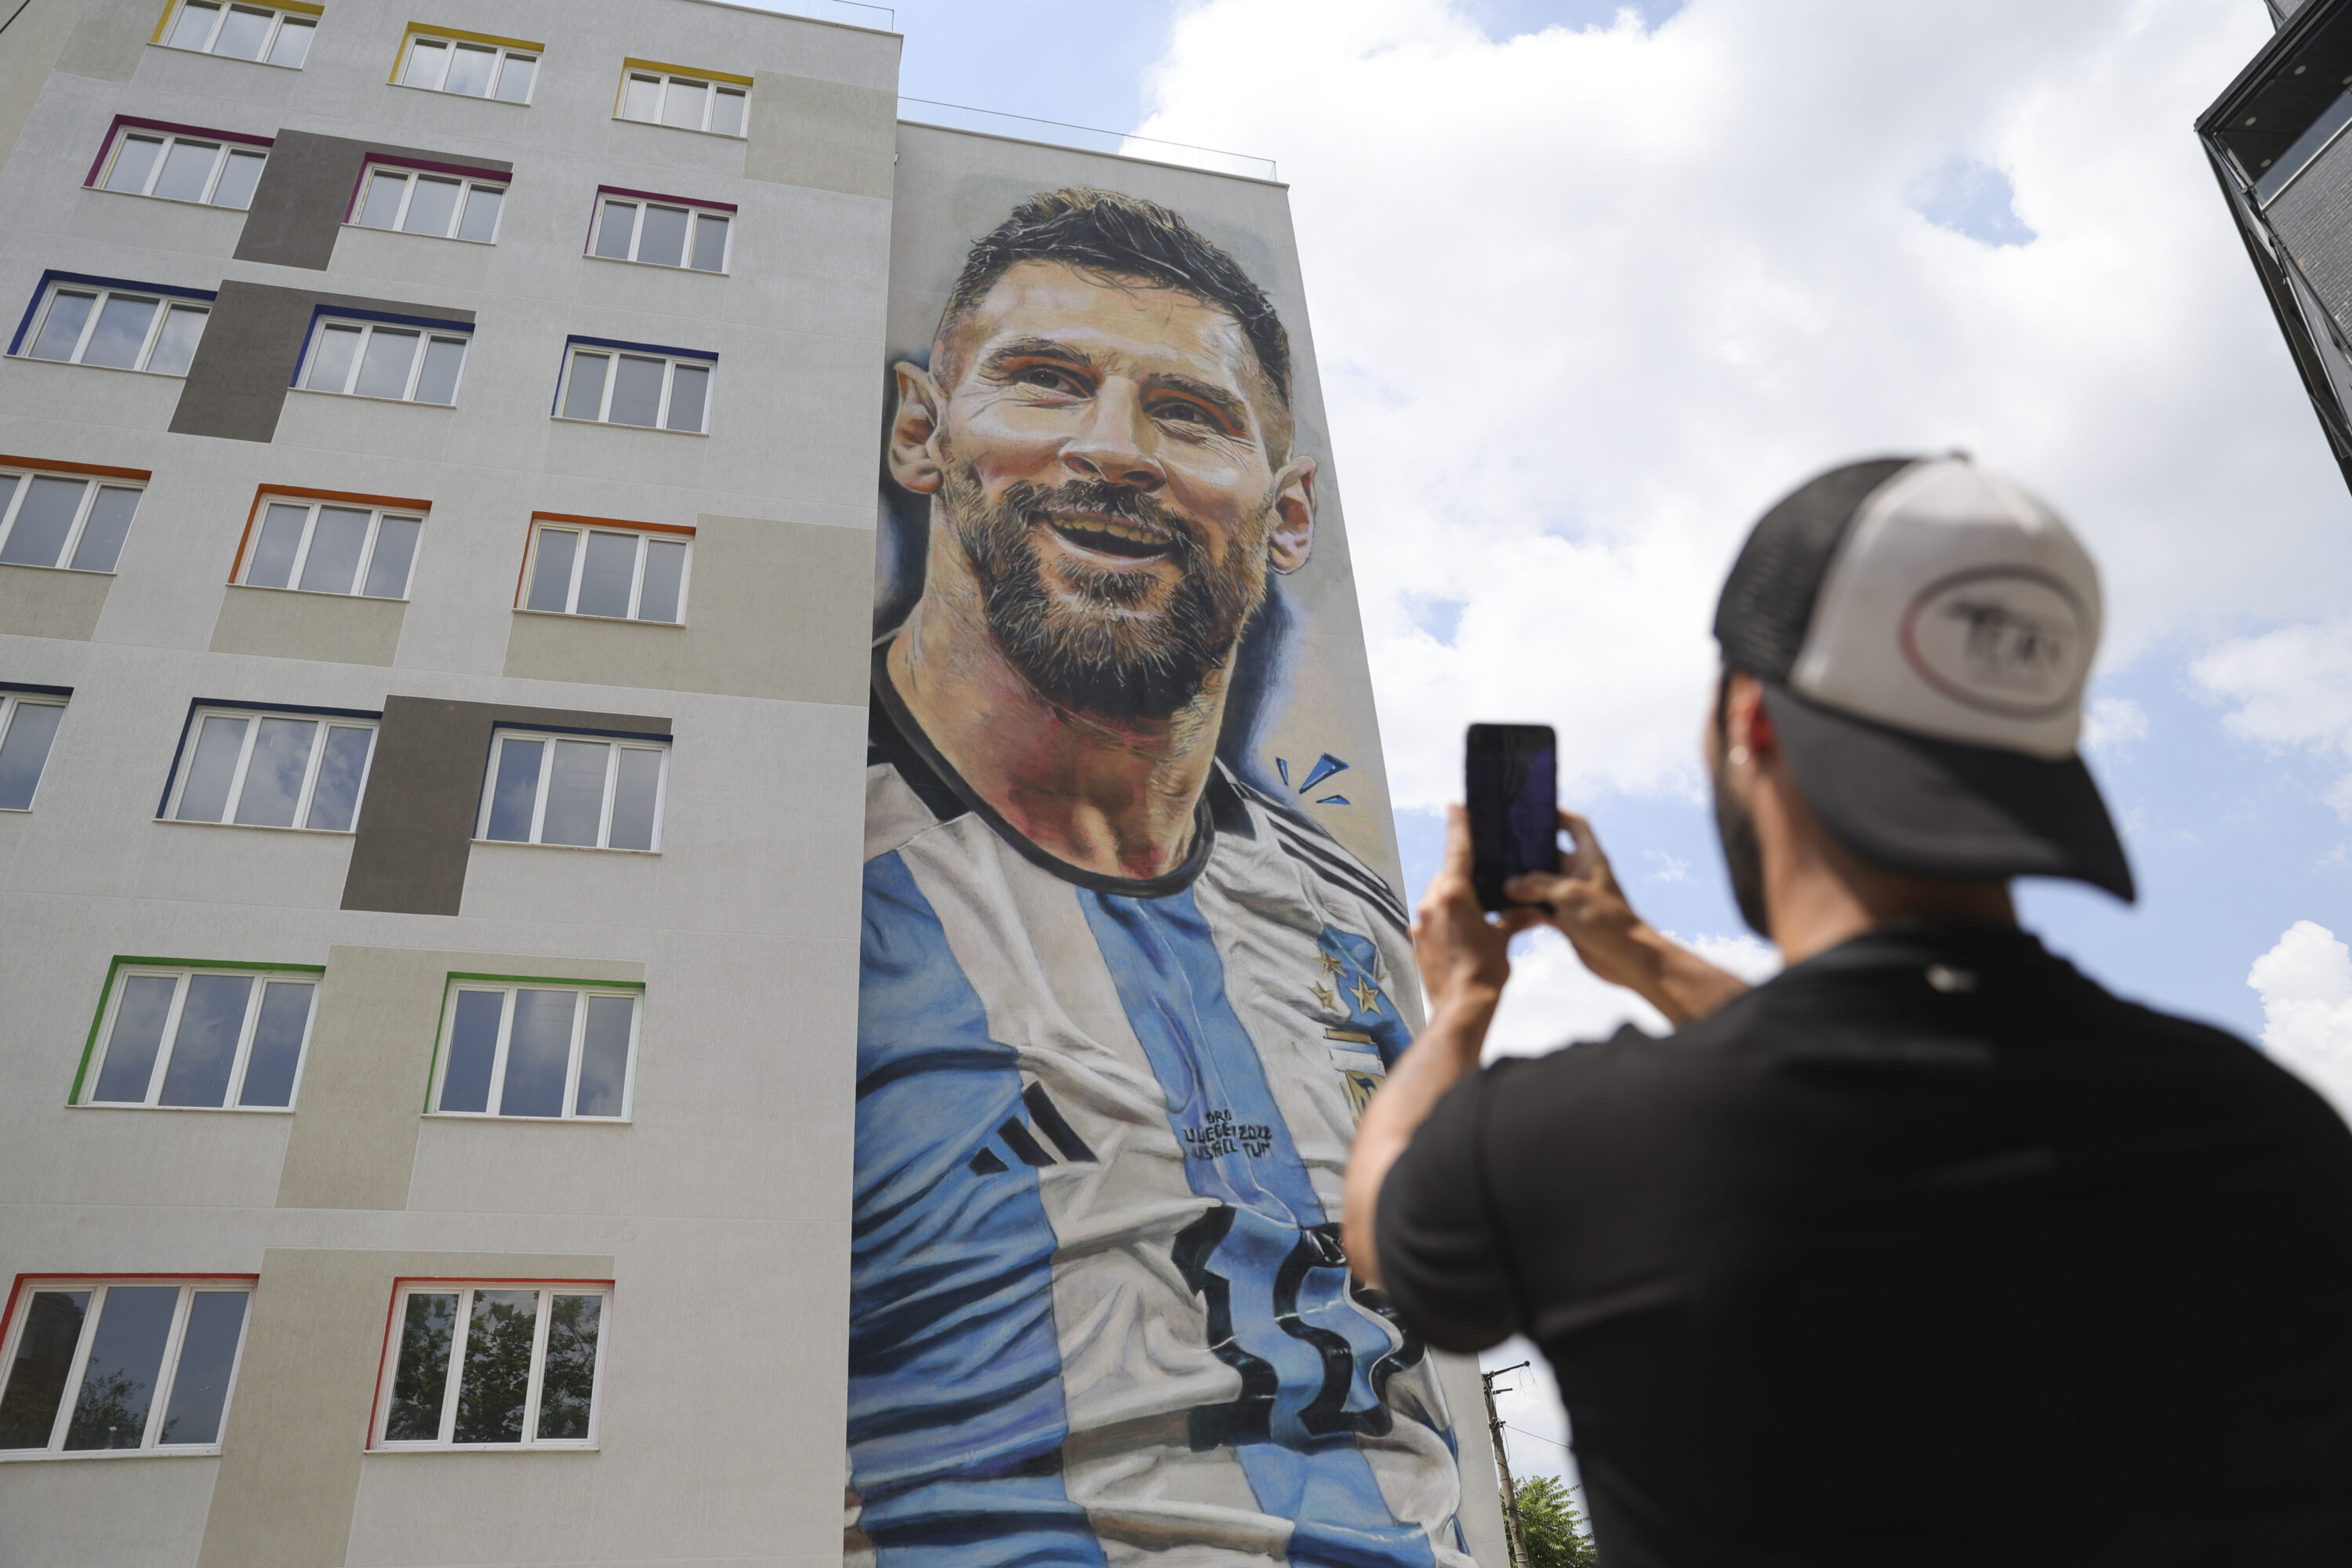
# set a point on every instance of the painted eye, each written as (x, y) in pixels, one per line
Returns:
(1050, 377)
(1185, 413)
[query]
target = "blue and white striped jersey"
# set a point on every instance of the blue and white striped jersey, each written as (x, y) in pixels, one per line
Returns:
(1100, 1313)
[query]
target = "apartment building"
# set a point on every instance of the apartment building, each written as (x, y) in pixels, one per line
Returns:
(438, 590)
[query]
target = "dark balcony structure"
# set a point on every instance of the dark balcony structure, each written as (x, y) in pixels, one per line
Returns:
(2277, 141)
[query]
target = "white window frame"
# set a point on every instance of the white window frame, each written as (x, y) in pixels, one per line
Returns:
(713, 86)
(583, 990)
(465, 186)
(451, 43)
(181, 973)
(614, 745)
(91, 485)
(372, 723)
(12, 702)
(175, 1342)
(453, 1373)
(376, 518)
(426, 336)
(695, 211)
(224, 149)
(99, 294)
(541, 526)
(168, 34)
(612, 357)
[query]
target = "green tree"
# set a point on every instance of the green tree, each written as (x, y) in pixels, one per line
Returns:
(1553, 1527)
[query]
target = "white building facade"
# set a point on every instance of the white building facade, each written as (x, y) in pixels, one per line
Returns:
(438, 581)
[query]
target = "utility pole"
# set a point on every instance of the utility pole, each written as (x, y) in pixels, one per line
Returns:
(1503, 1461)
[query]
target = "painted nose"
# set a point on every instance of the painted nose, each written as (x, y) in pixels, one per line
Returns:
(1115, 446)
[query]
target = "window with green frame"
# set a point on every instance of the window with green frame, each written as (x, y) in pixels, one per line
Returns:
(199, 1035)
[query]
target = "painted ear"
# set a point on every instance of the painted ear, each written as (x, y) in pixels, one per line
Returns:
(913, 428)
(1293, 524)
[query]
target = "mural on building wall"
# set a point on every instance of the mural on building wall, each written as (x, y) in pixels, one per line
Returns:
(1122, 997)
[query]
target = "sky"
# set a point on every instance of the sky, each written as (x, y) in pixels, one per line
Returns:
(1591, 286)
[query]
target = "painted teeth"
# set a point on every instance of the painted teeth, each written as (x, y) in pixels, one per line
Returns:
(1116, 529)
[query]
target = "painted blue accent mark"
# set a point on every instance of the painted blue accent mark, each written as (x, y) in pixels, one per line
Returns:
(1324, 766)
(956, 1417)
(1273, 1266)
(1335, 800)
(1282, 766)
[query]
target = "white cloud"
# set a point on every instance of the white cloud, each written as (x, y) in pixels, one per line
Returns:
(2305, 984)
(2112, 724)
(1587, 301)
(2293, 691)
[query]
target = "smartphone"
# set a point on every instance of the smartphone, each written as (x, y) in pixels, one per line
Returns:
(1512, 776)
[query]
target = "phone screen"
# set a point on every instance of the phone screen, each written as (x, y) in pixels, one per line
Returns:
(1513, 793)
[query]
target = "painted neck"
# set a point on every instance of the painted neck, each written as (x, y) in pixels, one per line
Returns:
(1114, 798)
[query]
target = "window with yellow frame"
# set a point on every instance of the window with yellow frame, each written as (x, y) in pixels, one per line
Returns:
(717, 102)
(471, 65)
(276, 35)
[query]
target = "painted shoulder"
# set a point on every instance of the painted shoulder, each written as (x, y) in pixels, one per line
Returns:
(1322, 857)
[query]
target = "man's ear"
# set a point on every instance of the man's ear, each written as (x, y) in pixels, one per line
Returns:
(1750, 722)
(1294, 516)
(914, 428)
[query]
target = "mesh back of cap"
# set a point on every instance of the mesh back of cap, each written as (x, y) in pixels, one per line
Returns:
(1768, 600)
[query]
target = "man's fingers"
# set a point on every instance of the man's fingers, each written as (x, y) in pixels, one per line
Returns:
(1537, 888)
(1516, 921)
(1457, 841)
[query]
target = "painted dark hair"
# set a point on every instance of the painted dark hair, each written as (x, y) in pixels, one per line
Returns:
(1125, 236)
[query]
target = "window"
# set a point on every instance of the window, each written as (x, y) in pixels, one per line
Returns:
(120, 326)
(492, 1365)
(690, 100)
(255, 768)
(590, 794)
(64, 519)
(607, 571)
(470, 64)
(273, 37)
(319, 547)
(442, 205)
(408, 363)
(149, 1364)
(537, 1048)
(653, 388)
(177, 167)
(207, 1036)
(632, 226)
(29, 717)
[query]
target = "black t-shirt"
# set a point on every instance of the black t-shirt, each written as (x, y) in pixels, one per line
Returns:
(1927, 1252)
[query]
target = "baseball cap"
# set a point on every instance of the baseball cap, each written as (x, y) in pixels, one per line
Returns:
(1923, 628)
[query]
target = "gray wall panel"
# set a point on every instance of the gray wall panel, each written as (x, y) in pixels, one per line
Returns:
(292, 1452)
(250, 350)
(417, 825)
(298, 207)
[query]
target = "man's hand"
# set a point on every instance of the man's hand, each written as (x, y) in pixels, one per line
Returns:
(1591, 910)
(1464, 958)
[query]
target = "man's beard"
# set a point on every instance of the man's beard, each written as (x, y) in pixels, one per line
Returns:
(1095, 649)
(1743, 857)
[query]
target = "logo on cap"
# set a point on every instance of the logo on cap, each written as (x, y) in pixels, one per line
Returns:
(2002, 640)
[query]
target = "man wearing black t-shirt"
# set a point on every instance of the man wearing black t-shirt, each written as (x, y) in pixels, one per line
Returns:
(1929, 1251)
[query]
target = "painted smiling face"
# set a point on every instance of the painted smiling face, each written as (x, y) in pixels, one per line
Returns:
(1105, 466)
